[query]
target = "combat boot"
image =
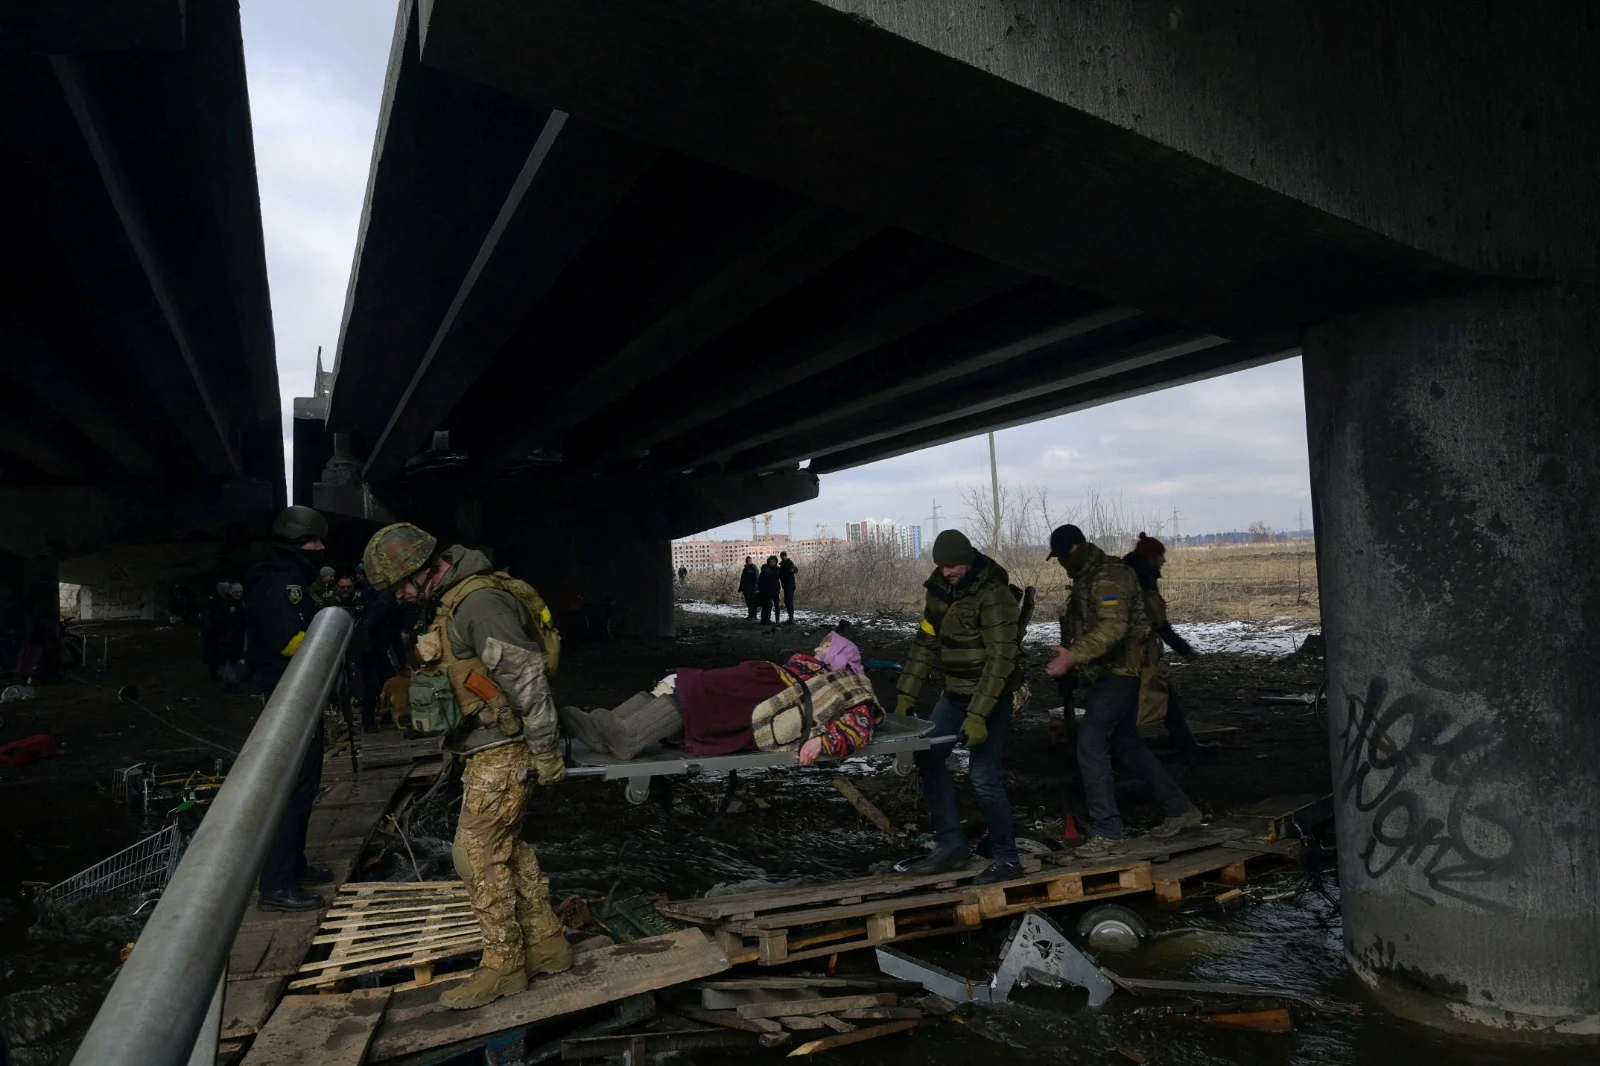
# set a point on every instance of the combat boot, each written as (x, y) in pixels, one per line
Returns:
(550, 955)
(484, 986)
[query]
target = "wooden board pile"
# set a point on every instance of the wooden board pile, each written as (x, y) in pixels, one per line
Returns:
(381, 927)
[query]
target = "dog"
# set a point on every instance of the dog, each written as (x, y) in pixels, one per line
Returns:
(395, 700)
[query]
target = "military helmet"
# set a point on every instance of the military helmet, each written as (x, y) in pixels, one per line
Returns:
(298, 523)
(395, 552)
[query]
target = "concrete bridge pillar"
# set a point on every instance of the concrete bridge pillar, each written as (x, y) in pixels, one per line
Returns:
(1455, 467)
(29, 594)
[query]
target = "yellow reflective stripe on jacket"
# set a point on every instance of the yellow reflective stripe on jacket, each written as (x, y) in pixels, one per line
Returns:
(294, 644)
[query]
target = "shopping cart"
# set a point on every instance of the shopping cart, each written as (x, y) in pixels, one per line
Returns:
(133, 874)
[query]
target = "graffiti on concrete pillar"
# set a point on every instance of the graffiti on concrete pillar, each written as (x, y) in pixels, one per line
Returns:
(1424, 779)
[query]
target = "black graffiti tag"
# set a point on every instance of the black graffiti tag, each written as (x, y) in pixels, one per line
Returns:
(1384, 749)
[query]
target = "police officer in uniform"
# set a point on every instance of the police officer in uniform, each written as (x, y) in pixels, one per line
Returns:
(488, 639)
(1105, 637)
(278, 608)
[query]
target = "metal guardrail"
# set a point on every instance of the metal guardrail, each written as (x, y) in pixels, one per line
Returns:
(165, 1008)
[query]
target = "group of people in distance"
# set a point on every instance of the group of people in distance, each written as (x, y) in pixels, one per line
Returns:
(761, 587)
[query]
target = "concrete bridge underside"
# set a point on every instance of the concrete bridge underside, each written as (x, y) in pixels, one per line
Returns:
(656, 265)
(140, 404)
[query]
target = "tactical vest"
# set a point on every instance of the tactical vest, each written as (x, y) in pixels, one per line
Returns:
(467, 682)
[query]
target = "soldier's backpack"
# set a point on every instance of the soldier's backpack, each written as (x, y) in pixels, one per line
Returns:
(544, 629)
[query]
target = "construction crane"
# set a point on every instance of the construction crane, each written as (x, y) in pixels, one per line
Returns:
(754, 536)
(791, 525)
(766, 521)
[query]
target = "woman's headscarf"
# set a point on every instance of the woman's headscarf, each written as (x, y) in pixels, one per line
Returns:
(840, 653)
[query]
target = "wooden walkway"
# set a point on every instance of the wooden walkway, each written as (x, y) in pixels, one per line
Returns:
(783, 925)
(270, 946)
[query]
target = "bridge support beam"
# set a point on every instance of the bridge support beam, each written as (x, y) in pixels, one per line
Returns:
(1455, 465)
(573, 537)
(29, 594)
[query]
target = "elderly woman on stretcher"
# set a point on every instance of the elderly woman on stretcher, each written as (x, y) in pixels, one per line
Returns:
(817, 704)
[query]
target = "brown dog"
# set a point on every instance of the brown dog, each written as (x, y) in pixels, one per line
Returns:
(396, 699)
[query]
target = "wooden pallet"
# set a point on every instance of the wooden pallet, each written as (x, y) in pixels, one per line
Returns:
(774, 926)
(382, 927)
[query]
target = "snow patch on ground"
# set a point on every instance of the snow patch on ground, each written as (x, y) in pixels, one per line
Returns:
(1267, 637)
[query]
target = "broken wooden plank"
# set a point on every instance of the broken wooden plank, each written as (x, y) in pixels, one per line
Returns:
(838, 1025)
(600, 974)
(1224, 988)
(333, 1030)
(881, 1014)
(828, 1043)
(865, 807)
(817, 1006)
(800, 1021)
(246, 1005)
(730, 1020)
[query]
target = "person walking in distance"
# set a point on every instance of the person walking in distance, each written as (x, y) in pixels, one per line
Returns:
(969, 630)
(1104, 635)
(490, 640)
(278, 608)
(786, 572)
(750, 588)
(768, 585)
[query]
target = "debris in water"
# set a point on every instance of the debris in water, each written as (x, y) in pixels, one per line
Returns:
(1266, 1020)
(866, 807)
(1130, 1054)
(1037, 952)
(1137, 985)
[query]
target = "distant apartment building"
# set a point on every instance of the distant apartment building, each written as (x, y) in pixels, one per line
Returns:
(699, 554)
(901, 539)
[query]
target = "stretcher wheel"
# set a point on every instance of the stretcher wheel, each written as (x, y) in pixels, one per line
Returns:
(638, 790)
(1109, 927)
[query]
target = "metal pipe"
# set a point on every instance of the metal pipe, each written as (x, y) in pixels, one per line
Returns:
(159, 1002)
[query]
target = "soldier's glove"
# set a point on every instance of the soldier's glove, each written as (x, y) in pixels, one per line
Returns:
(1175, 642)
(550, 766)
(974, 730)
(905, 704)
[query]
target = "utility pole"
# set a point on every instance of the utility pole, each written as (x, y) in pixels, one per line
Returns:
(1174, 523)
(791, 525)
(934, 518)
(1300, 522)
(994, 485)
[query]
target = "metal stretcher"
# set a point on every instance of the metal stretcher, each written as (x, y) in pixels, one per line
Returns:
(895, 735)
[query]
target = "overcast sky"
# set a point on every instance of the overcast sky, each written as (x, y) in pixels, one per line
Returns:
(1223, 452)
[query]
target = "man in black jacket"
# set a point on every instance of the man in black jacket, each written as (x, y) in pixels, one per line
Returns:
(278, 608)
(749, 588)
(786, 572)
(767, 586)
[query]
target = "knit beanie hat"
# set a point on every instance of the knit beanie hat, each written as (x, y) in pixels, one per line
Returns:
(952, 548)
(1150, 548)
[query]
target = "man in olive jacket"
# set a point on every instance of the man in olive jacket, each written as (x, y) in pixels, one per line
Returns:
(1105, 635)
(969, 630)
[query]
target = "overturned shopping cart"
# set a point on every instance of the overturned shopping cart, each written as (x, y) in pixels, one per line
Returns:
(132, 876)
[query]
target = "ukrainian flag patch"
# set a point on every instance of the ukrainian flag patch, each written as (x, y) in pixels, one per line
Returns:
(1110, 599)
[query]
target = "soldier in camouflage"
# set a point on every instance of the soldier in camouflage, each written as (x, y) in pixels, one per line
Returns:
(486, 641)
(969, 630)
(1106, 638)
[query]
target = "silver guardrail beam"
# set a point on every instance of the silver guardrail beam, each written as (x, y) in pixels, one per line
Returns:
(161, 999)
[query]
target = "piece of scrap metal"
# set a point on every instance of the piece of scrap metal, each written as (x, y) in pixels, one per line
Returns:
(1038, 952)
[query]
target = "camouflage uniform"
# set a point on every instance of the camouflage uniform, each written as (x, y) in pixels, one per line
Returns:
(1104, 622)
(496, 670)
